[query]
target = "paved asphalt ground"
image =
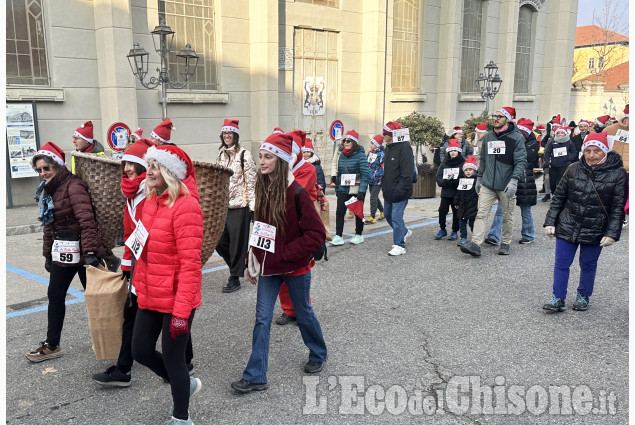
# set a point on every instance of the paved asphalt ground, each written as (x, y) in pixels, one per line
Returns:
(404, 328)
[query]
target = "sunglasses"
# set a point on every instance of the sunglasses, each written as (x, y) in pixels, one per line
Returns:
(348, 141)
(498, 117)
(45, 169)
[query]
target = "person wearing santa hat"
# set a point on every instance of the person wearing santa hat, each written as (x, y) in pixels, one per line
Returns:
(234, 241)
(85, 142)
(308, 152)
(601, 123)
(466, 199)
(466, 149)
(501, 166)
(558, 155)
(577, 140)
(162, 133)
(351, 180)
(167, 275)
(448, 176)
(284, 211)
(586, 212)
(375, 173)
(618, 138)
(479, 132)
(70, 239)
(396, 185)
(134, 137)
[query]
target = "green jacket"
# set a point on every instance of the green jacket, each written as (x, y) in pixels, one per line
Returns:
(496, 170)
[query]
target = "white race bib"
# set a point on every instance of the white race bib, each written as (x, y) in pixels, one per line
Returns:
(401, 135)
(450, 173)
(263, 236)
(559, 152)
(496, 147)
(466, 184)
(348, 179)
(621, 136)
(66, 252)
(137, 240)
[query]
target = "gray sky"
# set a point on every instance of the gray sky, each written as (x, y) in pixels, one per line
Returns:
(586, 7)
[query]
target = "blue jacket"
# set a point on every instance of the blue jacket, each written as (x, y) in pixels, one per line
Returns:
(376, 166)
(353, 163)
(315, 161)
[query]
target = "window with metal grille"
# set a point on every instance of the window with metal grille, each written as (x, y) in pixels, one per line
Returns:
(405, 46)
(471, 45)
(591, 65)
(523, 50)
(192, 22)
(26, 49)
(600, 63)
(330, 3)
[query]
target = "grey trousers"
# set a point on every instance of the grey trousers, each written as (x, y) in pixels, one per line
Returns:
(374, 199)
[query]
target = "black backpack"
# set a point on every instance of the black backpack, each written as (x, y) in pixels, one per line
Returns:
(321, 252)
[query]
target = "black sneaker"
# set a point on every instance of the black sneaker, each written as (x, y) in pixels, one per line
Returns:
(555, 305)
(581, 303)
(472, 249)
(491, 241)
(285, 319)
(244, 387)
(546, 198)
(190, 369)
(524, 241)
(313, 367)
(112, 377)
(504, 249)
(233, 285)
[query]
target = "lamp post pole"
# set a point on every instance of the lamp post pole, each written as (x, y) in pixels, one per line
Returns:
(162, 37)
(489, 83)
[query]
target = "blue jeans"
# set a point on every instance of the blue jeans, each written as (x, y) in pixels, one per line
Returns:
(527, 231)
(565, 251)
(394, 216)
(268, 288)
(463, 223)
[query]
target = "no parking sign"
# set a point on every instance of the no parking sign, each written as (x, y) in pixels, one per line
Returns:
(117, 136)
(336, 130)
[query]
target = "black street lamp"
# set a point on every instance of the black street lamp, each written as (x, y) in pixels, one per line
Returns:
(489, 83)
(162, 38)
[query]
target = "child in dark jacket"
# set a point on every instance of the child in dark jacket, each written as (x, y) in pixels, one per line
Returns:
(375, 173)
(466, 198)
(448, 179)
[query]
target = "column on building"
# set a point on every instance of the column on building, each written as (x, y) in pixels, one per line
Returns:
(507, 33)
(449, 61)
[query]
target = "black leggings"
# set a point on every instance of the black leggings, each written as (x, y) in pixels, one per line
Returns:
(234, 241)
(340, 212)
(445, 205)
(171, 364)
(59, 281)
(555, 174)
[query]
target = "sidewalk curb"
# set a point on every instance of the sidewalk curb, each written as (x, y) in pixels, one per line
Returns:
(24, 229)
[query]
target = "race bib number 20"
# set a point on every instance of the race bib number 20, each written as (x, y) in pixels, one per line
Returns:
(496, 147)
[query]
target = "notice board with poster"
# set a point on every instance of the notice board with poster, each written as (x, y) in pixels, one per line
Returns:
(22, 138)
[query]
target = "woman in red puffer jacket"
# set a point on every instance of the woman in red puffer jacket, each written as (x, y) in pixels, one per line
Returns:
(167, 274)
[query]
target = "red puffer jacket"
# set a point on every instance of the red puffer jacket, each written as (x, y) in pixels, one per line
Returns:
(168, 276)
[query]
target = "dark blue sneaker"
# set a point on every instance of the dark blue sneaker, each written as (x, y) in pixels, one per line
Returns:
(442, 234)
(581, 303)
(555, 305)
(452, 236)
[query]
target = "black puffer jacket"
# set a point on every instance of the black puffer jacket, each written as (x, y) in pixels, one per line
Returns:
(448, 186)
(575, 209)
(466, 200)
(527, 193)
(399, 168)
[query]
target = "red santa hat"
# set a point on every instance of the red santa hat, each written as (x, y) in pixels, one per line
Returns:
(585, 122)
(137, 134)
(230, 125)
(353, 135)
(298, 137)
(85, 131)
(457, 129)
(378, 140)
(470, 162)
(602, 120)
(280, 145)
(308, 146)
(597, 139)
(525, 124)
(626, 111)
(454, 146)
(137, 151)
(277, 130)
(481, 128)
(390, 127)
(557, 128)
(173, 158)
(163, 131)
(509, 112)
(540, 128)
(53, 151)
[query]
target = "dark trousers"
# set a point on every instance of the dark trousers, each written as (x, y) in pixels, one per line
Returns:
(555, 174)
(170, 364)
(59, 281)
(463, 223)
(234, 241)
(446, 203)
(340, 212)
(125, 360)
(374, 199)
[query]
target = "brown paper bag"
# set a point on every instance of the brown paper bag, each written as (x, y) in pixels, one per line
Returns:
(324, 215)
(105, 295)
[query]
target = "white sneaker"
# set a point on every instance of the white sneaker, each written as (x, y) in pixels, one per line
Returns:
(397, 250)
(407, 235)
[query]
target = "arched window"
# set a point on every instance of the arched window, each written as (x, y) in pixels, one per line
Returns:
(405, 46)
(471, 45)
(522, 76)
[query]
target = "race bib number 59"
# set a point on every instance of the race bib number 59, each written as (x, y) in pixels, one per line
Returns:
(263, 236)
(65, 252)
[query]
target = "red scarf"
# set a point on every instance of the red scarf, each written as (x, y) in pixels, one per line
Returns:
(129, 187)
(347, 151)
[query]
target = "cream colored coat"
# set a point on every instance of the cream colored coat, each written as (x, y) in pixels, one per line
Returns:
(243, 183)
(619, 147)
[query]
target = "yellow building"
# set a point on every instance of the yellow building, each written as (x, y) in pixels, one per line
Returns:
(596, 51)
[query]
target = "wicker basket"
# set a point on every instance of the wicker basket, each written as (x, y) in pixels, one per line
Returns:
(212, 182)
(102, 175)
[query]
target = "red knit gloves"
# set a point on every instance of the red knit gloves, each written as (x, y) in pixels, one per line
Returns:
(178, 327)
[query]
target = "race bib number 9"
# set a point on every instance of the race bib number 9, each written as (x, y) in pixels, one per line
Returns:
(348, 179)
(496, 147)
(66, 252)
(263, 236)
(557, 152)
(466, 184)
(450, 173)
